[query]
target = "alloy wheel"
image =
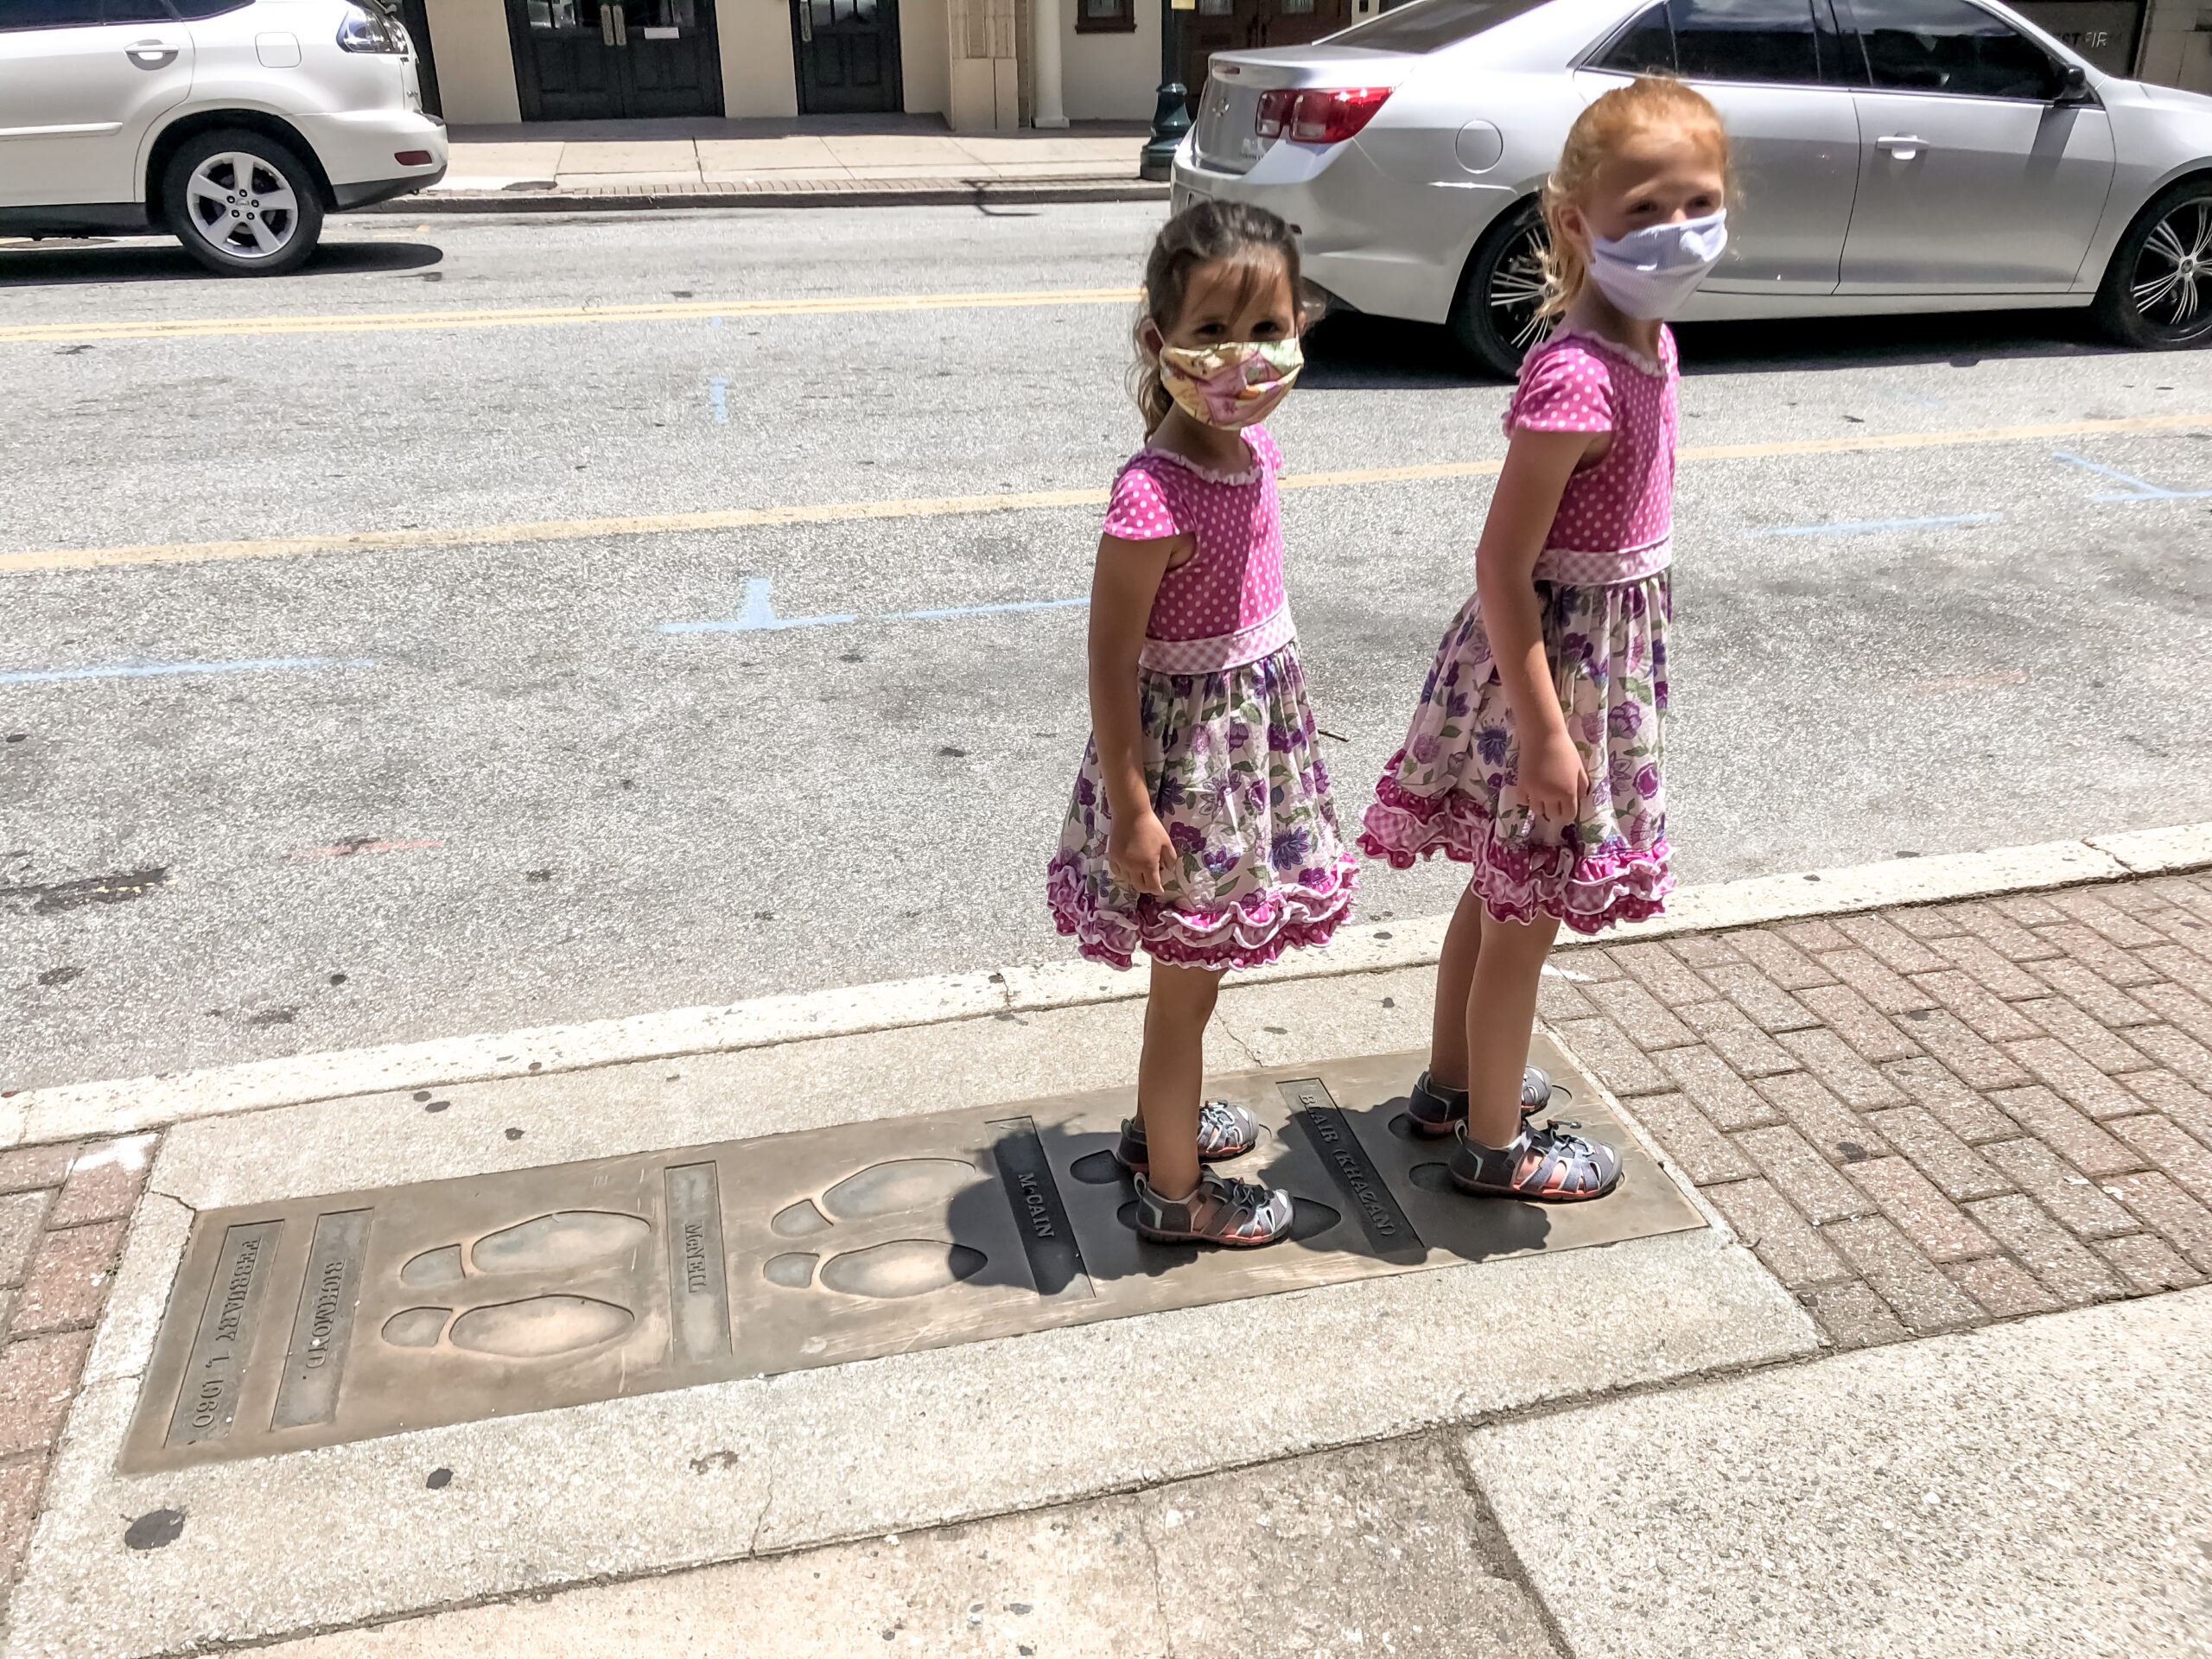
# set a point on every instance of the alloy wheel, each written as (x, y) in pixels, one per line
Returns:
(241, 205)
(1517, 288)
(2171, 284)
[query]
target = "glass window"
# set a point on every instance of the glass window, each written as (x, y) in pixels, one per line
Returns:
(49, 14)
(1767, 40)
(1646, 45)
(137, 11)
(1947, 46)
(1106, 17)
(208, 7)
(1428, 24)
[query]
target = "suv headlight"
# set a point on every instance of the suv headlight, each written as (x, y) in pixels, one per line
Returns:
(368, 31)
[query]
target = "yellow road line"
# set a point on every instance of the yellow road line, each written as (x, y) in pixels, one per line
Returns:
(370, 322)
(570, 530)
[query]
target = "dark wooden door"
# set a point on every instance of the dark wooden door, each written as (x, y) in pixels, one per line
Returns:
(615, 59)
(1242, 25)
(848, 56)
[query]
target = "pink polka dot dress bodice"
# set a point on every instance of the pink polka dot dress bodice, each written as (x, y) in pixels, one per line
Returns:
(1615, 518)
(1224, 606)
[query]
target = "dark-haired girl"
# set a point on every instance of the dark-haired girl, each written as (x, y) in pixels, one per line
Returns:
(1202, 831)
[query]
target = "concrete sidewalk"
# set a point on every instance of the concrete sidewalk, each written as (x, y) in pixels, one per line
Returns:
(824, 160)
(1937, 1133)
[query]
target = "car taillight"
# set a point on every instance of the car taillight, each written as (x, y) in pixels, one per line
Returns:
(1318, 115)
(369, 30)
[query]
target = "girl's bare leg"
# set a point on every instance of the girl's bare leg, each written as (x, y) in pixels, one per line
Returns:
(1171, 1072)
(1501, 1012)
(1455, 979)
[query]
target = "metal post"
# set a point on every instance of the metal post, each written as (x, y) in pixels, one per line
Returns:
(1171, 119)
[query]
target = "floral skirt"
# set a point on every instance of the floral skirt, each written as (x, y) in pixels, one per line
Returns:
(1239, 784)
(1454, 788)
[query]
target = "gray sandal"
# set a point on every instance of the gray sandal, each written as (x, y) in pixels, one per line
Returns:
(1224, 1131)
(1545, 1163)
(1242, 1215)
(1435, 1111)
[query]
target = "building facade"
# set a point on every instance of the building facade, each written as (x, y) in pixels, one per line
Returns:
(976, 62)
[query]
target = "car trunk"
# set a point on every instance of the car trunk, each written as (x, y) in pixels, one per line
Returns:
(1227, 134)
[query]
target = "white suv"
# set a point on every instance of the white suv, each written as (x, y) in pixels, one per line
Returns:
(234, 124)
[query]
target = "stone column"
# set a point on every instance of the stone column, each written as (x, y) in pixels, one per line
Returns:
(1045, 35)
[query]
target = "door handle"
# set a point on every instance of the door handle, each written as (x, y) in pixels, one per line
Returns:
(150, 54)
(607, 25)
(1904, 146)
(621, 24)
(806, 20)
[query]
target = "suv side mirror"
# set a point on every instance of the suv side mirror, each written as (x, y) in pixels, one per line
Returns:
(2073, 84)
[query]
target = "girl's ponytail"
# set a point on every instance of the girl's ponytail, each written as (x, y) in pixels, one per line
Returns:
(1204, 233)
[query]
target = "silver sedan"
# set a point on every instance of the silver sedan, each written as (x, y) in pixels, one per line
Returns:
(1891, 155)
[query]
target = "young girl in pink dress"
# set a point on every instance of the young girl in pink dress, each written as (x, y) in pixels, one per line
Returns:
(1537, 751)
(1202, 831)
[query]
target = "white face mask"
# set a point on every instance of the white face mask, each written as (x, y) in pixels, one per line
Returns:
(1648, 273)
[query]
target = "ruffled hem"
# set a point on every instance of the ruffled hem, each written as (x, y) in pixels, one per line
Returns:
(1250, 933)
(1584, 893)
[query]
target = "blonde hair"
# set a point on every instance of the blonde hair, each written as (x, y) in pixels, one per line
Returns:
(1648, 103)
(1205, 234)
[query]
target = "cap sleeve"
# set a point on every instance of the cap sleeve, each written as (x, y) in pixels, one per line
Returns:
(1563, 390)
(1138, 510)
(1264, 449)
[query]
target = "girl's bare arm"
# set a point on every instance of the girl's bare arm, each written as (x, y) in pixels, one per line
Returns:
(1121, 590)
(1537, 467)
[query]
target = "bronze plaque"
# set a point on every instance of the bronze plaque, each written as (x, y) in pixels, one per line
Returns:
(323, 1320)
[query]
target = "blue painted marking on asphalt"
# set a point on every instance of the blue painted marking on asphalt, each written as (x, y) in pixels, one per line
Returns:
(984, 610)
(717, 399)
(138, 670)
(758, 614)
(2142, 491)
(1872, 526)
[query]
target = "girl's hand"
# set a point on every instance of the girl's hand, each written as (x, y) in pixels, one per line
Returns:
(1138, 851)
(1553, 777)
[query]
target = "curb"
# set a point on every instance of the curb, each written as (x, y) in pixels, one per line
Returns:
(875, 192)
(73, 1112)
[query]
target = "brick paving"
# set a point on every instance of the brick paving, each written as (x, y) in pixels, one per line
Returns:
(63, 1214)
(1931, 1117)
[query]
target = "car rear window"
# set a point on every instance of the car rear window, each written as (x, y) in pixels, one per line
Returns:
(1428, 24)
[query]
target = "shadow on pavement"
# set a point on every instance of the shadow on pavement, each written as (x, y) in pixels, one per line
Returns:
(1349, 352)
(62, 261)
(1960, 339)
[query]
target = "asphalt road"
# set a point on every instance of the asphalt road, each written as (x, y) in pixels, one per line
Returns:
(415, 791)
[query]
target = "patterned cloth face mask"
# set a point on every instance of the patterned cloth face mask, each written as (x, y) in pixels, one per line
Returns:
(1232, 385)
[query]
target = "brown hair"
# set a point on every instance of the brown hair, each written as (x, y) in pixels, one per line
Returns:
(1205, 234)
(1646, 103)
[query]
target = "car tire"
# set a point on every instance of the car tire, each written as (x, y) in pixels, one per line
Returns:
(242, 203)
(2157, 294)
(1494, 319)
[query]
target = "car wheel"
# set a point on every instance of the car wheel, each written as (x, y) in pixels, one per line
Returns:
(2158, 290)
(1495, 318)
(242, 204)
